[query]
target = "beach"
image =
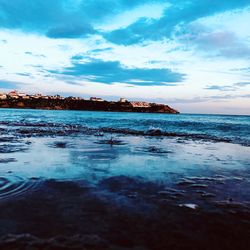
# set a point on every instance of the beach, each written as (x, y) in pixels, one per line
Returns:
(102, 180)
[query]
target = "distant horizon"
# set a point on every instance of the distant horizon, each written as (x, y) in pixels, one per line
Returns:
(192, 55)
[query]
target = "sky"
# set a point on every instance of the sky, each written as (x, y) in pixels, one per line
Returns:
(191, 54)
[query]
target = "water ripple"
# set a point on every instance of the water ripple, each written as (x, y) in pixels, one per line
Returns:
(13, 186)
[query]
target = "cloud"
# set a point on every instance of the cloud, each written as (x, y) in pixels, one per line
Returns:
(213, 98)
(244, 70)
(178, 15)
(77, 57)
(137, 32)
(246, 96)
(185, 100)
(110, 72)
(101, 50)
(220, 88)
(242, 84)
(74, 19)
(35, 55)
(87, 55)
(231, 87)
(24, 74)
(71, 31)
(215, 43)
(52, 17)
(61, 18)
(201, 99)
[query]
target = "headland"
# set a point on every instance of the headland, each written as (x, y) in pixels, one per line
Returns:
(15, 99)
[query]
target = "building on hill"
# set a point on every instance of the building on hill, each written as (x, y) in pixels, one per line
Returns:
(123, 100)
(13, 94)
(36, 96)
(96, 99)
(23, 95)
(140, 104)
(3, 96)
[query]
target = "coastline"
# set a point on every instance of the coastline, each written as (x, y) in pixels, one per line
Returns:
(15, 100)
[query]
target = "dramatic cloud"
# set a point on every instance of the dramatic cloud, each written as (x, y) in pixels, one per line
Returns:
(178, 15)
(61, 18)
(55, 18)
(110, 72)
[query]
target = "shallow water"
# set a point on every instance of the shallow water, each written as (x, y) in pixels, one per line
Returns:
(130, 164)
(160, 160)
(73, 145)
(12, 186)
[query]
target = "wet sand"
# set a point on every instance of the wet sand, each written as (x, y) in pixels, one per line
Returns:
(112, 191)
(119, 213)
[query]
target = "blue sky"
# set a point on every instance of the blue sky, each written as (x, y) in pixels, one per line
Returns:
(191, 54)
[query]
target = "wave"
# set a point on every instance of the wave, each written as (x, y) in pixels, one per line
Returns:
(18, 129)
(193, 136)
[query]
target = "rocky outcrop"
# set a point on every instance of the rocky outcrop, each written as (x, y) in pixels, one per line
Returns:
(72, 104)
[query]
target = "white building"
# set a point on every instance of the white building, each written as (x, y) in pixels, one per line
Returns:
(13, 94)
(96, 99)
(123, 99)
(3, 96)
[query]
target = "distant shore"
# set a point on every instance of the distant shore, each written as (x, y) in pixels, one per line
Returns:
(38, 101)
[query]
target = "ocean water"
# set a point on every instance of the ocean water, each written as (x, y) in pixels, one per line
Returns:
(38, 145)
(228, 128)
(89, 174)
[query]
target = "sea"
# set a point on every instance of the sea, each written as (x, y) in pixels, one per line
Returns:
(77, 168)
(69, 142)
(228, 128)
